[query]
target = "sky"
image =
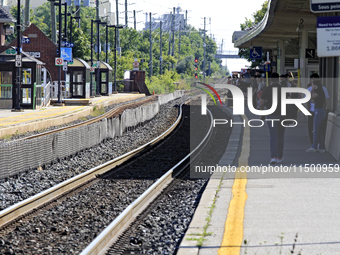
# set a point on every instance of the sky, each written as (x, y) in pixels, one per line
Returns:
(226, 17)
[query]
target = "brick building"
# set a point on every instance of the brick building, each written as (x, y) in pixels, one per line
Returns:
(40, 47)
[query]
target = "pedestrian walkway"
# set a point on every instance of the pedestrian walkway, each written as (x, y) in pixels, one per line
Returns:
(30, 120)
(267, 212)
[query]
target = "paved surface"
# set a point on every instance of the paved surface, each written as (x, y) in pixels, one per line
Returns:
(30, 120)
(263, 213)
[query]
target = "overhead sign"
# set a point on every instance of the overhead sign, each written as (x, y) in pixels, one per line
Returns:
(25, 40)
(67, 44)
(328, 36)
(324, 5)
(59, 61)
(255, 53)
(66, 53)
(310, 53)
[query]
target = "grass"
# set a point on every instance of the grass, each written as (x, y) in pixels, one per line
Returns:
(6, 137)
(97, 111)
(83, 118)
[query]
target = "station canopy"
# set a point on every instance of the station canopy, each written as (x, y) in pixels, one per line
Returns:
(283, 21)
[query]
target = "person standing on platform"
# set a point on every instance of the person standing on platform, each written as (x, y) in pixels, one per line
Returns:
(319, 98)
(276, 130)
(311, 106)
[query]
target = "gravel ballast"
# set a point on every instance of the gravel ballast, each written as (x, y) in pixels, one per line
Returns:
(26, 184)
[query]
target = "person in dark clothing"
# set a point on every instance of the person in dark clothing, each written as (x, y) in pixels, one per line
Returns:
(311, 105)
(276, 130)
(318, 98)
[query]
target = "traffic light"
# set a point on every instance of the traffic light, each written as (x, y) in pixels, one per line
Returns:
(196, 75)
(196, 67)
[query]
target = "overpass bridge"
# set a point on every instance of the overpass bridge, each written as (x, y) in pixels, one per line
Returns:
(227, 54)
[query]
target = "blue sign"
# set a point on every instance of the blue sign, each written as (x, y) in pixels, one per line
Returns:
(25, 40)
(324, 6)
(67, 44)
(255, 53)
(66, 54)
(266, 68)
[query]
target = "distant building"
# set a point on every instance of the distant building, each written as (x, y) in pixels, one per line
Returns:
(166, 21)
(5, 17)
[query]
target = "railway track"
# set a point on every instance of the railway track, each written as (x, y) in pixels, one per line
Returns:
(46, 196)
(109, 114)
(159, 228)
(83, 182)
(34, 224)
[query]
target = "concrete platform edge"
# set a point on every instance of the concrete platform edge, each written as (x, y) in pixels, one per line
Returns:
(212, 243)
(60, 120)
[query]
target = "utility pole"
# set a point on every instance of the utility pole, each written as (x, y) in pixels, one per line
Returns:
(78, 14)
(173, 35)
(53, 22)
(17, 107)
(179, 38)
(222, 47)
(27, 13)
(204, 47)
(170, 35)
(65, 26)
(59, 49)
(98, 49)
(106, 42)
(91, 74)
(150, 63)
(186, 20)
(126, 14)
(117, 14)
(134, 20)
(160, 48)
(115, 59)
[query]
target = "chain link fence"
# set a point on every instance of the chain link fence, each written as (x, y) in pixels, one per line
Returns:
(16, 157)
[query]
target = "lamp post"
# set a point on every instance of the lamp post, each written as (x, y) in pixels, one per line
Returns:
(91, 84)
(115, 57)
(71, 28)
(59, 51)
(106, 40)
(17, 94)
(98, 59)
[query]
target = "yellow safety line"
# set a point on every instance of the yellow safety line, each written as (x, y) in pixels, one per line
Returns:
(25, 114)
(233, 231)
(40, 117)
(113, 99)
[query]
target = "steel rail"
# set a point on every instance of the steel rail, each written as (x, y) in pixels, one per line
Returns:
(108, 114)
(111, 233)
(11, 213)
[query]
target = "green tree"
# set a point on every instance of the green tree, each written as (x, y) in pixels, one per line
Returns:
(247, 25)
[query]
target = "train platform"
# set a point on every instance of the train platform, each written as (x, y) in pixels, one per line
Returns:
(290, 209)
(31, 120)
